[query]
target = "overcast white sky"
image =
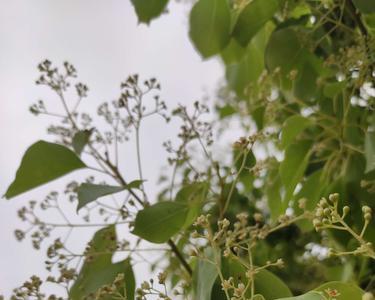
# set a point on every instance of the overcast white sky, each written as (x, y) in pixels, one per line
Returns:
(103, 40)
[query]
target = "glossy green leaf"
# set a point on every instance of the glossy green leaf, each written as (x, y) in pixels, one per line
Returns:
(88, 192)
(80, 140)
(347, 291)
(210, 26)
(149, 9)
(252, 18)
(204, 276)
(307, 296)
(293, 166)
(43, 162)
(159, 222)
(99, 269)
(370, 151)
(293, 126)
(365, 6)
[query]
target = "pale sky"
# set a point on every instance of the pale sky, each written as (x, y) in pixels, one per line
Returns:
(103, 40)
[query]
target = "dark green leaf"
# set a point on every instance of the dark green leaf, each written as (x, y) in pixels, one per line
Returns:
(88, 192)
(293, 166)
(365, 6)
(370, 151)
(43, 162)
(347, 291)
(149, 9)
(274, 199)
(210, 26)
(291, 128)
(205, 275)
(159, 222)
(98, 270)
(80, 140)
(252, 18)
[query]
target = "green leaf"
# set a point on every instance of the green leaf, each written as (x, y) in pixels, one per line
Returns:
(311, 191)
(252, 18)
(308, 296)
(80, 140)
(88, 192)
(239, 76)
(370, 151)
(159, 222)
(210, 26)
(233, 52)
(204, 276)
(264, 279)
(293, 167)
(192, 195)
(43, 162)
(347, 291)
(284, 50)
(365, 6)
(149, 9)
(274, 200)
(291, 128)
(98, 270)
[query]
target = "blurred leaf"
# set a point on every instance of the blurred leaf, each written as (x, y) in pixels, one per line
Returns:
(226, 111)
(291, 128)
(43, 162)
(347, 291)
(272, 190)
(264, 279)
(210, 26)
(193, 195)
(88, 192)
(252, 18)
(365, 6)
(149, 9)
(98, 270)
(293, 166)
(370, 151)
(204, 276)
(308, 296)
(311, 191)
(159, 222)
(80, 140)
(233, 52)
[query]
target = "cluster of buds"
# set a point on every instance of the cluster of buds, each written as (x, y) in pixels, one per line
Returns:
(147, 288)
(327, 212)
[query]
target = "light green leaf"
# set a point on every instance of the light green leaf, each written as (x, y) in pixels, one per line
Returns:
(149, 9)
(347, 291)
(210, 26)
(233, 52)
(159, 222)
(365, 6)
(204, 276)
(252, 18)
(291, 128)
(99, 270)
(293, 167)
(192, 195)
(43, 162)
(308, 296)
(80, 140)
(88, 192)
(239, 76)
(370, 151)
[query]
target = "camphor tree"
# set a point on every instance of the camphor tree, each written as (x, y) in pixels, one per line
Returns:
(288, 216)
